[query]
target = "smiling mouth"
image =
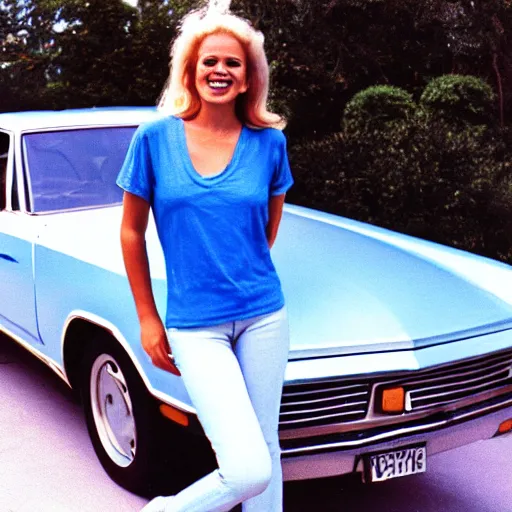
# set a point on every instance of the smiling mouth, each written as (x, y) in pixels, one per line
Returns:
(219, 84)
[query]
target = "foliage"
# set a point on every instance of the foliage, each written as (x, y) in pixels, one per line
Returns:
(477, 34)
(461, 97)
(77, 53)
(155, 28)
(439, 177)
(376, 105)
(415, 150)
(464, 166)
(380, 152)
(92, 53)
(320, 174)
(465, 184)
(25, 39)
(321, 53)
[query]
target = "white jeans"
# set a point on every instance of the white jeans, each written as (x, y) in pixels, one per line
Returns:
(234, 375)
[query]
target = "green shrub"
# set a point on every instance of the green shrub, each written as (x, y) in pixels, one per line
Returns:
(464, 176)
(423, 170)
(460, 174)
(375, 106)
(459, 98)
(381, 164)
(412, 169)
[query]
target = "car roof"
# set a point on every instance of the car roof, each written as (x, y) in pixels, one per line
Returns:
(44, 119)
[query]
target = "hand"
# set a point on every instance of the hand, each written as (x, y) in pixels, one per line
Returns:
(155, 344)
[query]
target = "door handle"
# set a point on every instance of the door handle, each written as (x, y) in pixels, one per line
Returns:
(8, 258)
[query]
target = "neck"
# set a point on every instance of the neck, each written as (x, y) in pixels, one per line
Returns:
(217, 117)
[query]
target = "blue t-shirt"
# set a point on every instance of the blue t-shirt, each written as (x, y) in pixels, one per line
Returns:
(212, 229)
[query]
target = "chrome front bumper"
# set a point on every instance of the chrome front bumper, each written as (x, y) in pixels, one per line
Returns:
(337, 455)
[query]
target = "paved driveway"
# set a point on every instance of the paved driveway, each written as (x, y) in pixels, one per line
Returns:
(47, 463)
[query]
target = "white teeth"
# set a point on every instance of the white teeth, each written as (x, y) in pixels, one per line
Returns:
(219, 85)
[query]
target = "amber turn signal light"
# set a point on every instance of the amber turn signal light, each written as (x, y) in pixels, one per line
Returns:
(505, 427)
(393, 400)
(174, 414)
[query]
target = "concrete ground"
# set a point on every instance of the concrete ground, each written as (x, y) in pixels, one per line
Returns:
(47, 463)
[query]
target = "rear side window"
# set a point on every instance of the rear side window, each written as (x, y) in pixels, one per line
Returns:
(74, 169)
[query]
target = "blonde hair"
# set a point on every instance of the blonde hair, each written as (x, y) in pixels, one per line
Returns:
(179, 96)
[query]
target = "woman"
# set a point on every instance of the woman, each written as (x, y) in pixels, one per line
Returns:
(215, 173)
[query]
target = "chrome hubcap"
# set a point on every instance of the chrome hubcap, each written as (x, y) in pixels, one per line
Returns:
(112, 410)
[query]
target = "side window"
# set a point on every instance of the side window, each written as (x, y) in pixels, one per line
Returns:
(4, 150)
(77, 168)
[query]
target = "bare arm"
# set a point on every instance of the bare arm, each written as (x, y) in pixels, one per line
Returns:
(133, 229)
(275, 212)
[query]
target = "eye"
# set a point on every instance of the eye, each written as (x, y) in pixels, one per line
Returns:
(232, 63)
(210, 62)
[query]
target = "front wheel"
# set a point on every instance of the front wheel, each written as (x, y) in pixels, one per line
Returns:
(122, 418)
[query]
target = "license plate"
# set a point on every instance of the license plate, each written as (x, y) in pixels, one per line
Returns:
(396, 463)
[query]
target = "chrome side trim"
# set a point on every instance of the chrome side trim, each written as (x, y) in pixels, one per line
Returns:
(398, 433)
(116, 333)
(37, 353)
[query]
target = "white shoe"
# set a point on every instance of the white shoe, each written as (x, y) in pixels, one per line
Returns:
(157, 504)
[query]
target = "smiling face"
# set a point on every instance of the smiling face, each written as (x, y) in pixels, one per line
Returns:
(221, 69)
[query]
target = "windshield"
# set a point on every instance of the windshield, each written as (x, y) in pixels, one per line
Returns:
(72, 169)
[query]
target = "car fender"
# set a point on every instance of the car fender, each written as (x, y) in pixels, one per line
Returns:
(118, 336)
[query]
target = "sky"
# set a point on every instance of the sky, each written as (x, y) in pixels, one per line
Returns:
(131, 2)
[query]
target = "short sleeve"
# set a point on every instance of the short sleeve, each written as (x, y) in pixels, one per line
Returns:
(136, 175)
(282, 178)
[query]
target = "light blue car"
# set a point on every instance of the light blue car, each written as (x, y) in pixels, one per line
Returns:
(401, 348)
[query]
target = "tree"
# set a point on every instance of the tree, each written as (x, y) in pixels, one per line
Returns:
(478, 37)
(91, 66)
(26, 46)
(153, 32)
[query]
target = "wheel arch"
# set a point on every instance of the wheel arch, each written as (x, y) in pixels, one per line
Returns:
(80, 328)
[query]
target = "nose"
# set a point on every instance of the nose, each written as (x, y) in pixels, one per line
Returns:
(220, 68)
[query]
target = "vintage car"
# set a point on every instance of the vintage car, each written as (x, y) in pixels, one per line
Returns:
(400, 348)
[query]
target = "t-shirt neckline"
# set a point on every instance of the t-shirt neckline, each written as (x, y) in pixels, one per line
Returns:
(189, 166)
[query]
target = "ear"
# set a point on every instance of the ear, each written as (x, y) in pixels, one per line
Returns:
(244, 87)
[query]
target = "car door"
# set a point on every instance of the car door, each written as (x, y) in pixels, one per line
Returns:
(17, 236)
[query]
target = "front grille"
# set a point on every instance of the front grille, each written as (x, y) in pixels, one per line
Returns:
(374, 435)
(323, 403)
(343, 401)
(446, 385)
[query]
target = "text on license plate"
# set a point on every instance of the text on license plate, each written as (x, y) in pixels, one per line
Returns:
(393, 464)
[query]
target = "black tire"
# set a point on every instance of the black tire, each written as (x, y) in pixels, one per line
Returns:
(109, 384)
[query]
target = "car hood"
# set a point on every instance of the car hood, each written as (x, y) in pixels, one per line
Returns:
(349, 287)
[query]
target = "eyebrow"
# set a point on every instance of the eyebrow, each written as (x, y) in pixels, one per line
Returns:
(214, 56)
